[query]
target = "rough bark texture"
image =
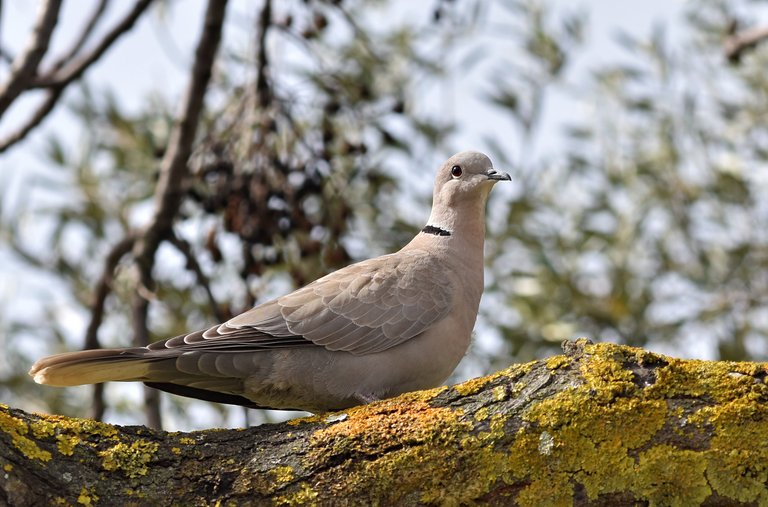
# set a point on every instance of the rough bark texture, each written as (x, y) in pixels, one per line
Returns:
(601, 425)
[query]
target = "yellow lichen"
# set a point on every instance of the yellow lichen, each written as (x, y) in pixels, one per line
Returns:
(8, 467)
(187, 441)
(41, 429)
(283, 474)
(131, 459)
(553, 489)
(304, 496)
(557, 362)
(379, 427)
(670, 477)
(69, 432)
(606, 375)
(474, 386)
(481, 414)
(134, 493)
(66, 444)
(17, 430)
(737, 468)
(86, 498)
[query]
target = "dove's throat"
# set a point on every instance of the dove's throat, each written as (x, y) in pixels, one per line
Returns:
(464, 219)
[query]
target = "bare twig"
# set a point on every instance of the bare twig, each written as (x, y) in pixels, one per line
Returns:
(98, 407)
(5, 55)
(85, 33)
(74, 69)
(174, 170)
(185, 248)
(103, 288)
(41, 113)
(738, 43)
(25, 66)
(140, 310)
(173, 174)
(262, 62)
(67, 70)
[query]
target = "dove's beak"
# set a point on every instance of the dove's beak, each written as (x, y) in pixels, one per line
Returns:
(495, 175)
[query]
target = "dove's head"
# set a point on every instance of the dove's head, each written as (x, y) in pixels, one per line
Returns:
(461, 190)
(466, 176)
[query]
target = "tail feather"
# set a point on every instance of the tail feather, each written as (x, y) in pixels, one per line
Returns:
(92, 367)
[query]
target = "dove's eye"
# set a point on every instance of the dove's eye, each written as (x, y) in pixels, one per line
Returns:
(456, 171)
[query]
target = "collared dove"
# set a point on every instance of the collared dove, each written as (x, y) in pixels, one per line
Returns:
(396, 323)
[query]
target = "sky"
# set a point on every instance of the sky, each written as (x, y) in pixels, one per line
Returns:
(155, 57)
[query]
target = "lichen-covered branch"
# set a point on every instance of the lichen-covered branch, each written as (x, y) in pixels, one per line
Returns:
(602, 424)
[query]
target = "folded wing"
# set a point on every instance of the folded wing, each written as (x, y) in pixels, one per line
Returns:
(364, 308)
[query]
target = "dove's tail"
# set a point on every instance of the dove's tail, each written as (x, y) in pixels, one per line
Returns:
(92, 367)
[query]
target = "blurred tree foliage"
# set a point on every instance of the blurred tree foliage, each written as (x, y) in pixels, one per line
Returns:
(649, 227)
(644, 224)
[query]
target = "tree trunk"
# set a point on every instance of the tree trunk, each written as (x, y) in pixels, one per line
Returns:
(601, 425)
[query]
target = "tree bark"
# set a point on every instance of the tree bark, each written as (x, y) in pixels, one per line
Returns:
(601, 425)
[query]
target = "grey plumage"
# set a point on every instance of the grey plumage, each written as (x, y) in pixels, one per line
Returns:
(371, 330)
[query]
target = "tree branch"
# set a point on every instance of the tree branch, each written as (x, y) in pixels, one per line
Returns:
(140, 311)
(85, 33)
(173, 174)
(601, 425)
(738, 43)
(75, 69)
(61, 76)
(25, 65)
(41, 113)
(102, 290)
(174, 169)
(262, 61)
(4, 56)
(185, 249)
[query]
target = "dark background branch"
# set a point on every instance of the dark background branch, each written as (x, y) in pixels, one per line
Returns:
(101, 292)
(25, 65)
(173, 173)
(66, 70)
(40, 113)
(185, 249)
(740, 42)
(85, 33)
(75, 69)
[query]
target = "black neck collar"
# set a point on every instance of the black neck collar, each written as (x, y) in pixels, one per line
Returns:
(437, 231)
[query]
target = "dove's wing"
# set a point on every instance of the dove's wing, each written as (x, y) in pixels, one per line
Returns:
(362, 309)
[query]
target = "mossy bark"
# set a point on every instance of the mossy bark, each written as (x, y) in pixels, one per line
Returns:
(601, 425)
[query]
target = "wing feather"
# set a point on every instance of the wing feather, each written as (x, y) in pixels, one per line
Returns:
(364, 308)
(380, 304)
